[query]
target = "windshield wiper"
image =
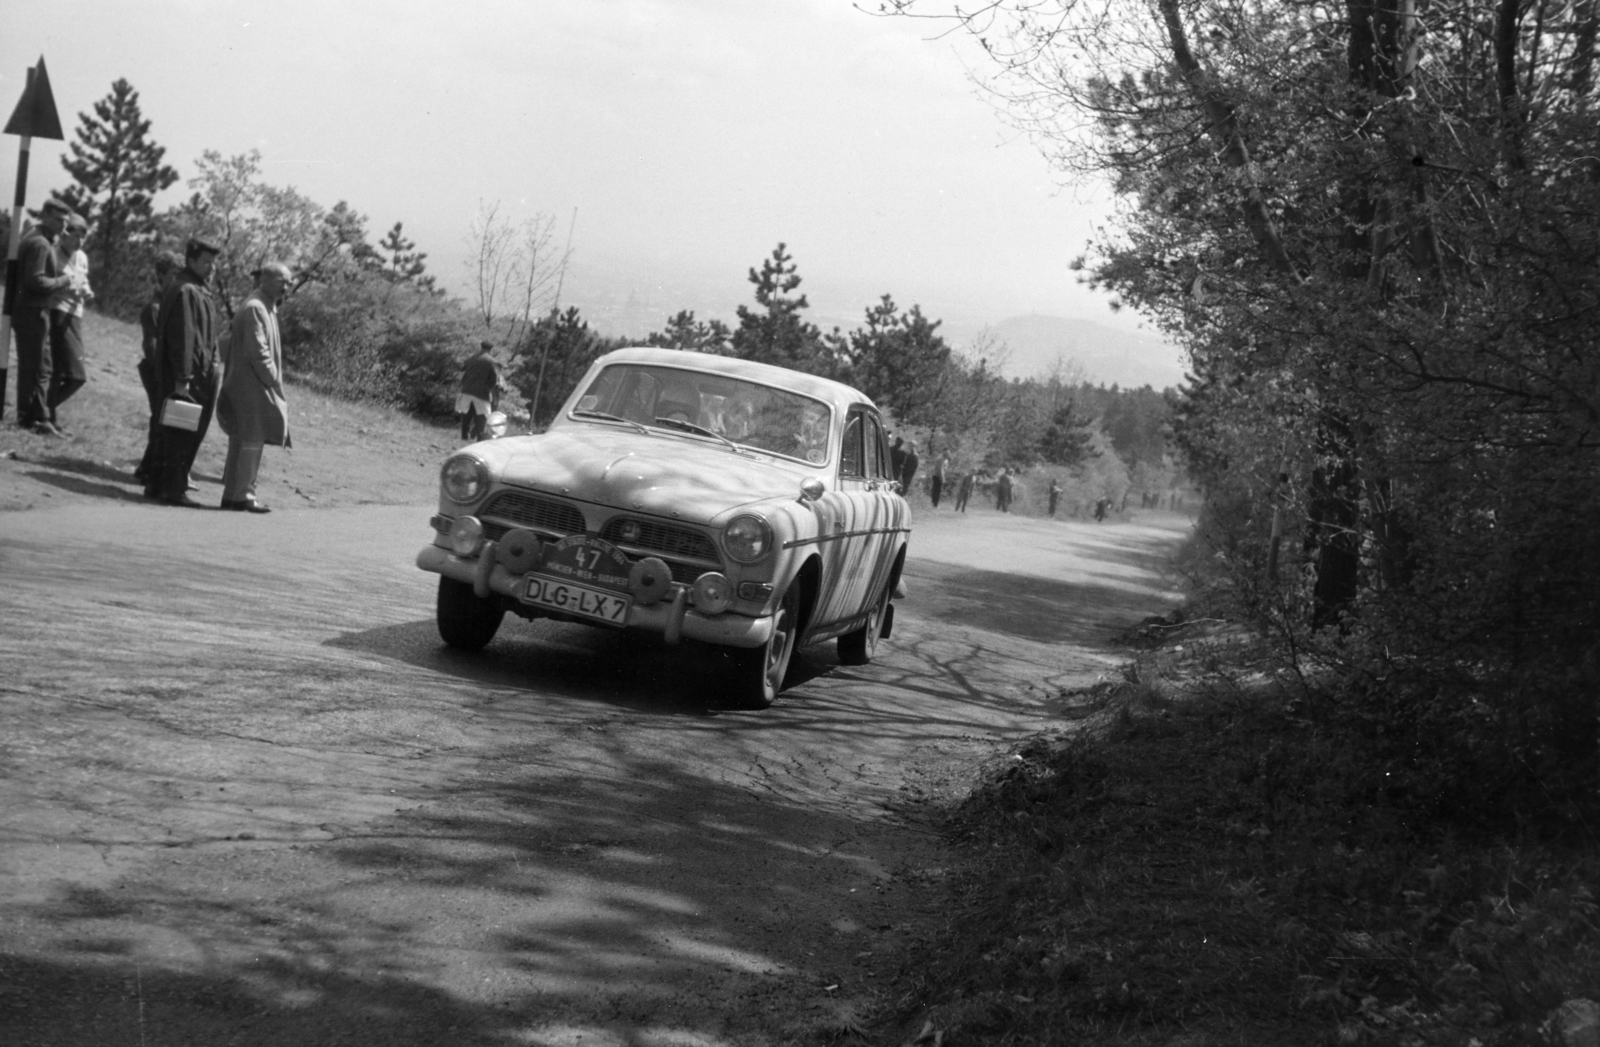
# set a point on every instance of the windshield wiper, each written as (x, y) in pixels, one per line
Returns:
(611, 418)
(691, 427)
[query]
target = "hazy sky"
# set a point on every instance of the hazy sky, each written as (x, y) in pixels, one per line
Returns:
(689, 136)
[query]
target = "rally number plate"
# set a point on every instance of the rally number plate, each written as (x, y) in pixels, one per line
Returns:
(583, 576)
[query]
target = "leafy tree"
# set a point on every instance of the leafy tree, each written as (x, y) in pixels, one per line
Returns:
(116, 170)
(899, 359)
(776, 333)
(683, 331)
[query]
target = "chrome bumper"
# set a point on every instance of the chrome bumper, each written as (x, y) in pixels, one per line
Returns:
(672, 617)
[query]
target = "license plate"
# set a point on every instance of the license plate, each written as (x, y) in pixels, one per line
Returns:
(577, 600)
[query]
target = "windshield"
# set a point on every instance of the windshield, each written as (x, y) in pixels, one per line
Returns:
(752, 415)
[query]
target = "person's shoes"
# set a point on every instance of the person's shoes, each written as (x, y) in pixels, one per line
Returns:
(184, 502)
(46, 429)
(245, 505)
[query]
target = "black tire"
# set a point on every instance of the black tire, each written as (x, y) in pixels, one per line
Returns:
(755, 674)
(858, 647)
(466, 621)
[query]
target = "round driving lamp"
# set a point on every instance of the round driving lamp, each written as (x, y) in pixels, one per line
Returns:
(747, 538)
(464, 478)
(466, 536)
(712, 593)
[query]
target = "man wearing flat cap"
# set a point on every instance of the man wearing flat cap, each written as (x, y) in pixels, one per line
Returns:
(39, 275)
(252, 409)
(186, 369)
(479, 392)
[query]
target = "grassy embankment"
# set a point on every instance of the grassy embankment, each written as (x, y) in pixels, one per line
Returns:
(344, 453)
(1216, 857)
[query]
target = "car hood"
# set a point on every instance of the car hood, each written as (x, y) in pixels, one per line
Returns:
(662, 474)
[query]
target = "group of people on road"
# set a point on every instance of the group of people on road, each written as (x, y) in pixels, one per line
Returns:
(47, 316)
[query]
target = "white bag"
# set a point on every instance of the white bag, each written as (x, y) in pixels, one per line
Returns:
(180, 414)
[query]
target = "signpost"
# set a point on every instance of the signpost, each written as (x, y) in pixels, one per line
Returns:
(34, 117)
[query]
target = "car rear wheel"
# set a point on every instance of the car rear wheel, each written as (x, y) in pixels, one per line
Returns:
(858, 647)
(755, 674)
(466, 621)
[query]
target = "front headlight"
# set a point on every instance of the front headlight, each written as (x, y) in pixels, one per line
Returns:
(747, 538)
(464, 478)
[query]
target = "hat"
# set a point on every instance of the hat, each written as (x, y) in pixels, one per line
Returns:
(54, 206)
(76, 221)
(197, 245)
(277, 268)
(485, 347)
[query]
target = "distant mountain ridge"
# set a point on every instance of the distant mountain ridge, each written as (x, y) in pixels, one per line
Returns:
(1109, 355)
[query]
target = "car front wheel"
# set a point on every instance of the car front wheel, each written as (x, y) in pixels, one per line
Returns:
(466, 621)
(756, 673)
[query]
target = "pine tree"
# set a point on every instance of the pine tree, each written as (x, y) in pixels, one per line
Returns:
(776, 333)
(118, 171)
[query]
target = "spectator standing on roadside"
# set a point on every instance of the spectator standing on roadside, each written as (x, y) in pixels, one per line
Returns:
(67, 373)
(964, 490)
(479, 392)
(186, 369)
(897, 458)
(39, 276)
(909, 469)
(937, 484)
(1055, 495)
(252, 409)
(1002, 491)
(167, 265)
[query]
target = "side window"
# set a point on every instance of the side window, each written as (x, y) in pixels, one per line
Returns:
(876, 466)
(850, 457)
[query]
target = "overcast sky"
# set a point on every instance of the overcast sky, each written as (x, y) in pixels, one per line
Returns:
(688, 136)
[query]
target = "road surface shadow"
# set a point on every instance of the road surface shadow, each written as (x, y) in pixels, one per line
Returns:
(630, 670)
(646, 905)
(71, 482)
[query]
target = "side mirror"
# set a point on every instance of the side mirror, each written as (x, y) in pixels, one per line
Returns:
(811, 489)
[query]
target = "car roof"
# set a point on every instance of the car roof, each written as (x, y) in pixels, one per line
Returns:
(840, 395)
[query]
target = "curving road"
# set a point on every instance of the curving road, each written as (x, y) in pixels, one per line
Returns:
(246, 797)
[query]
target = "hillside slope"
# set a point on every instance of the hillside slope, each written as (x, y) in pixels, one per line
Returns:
(343, 454)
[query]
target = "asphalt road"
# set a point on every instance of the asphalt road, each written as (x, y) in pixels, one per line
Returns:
(246, 796)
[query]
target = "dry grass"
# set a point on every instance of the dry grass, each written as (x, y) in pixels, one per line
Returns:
(344, 453)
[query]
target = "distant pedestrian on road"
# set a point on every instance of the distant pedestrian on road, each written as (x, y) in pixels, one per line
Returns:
(1002, 491)
(67, 373)
(39, 276)
(252, 409)
(479, 392)
(964, 490)
(1100, 508)
(1055, 495)
(167, 265)
(936, 485)
(186, 370)
(909, 469)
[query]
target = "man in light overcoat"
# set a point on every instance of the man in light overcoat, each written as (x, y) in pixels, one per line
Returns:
(252, 408)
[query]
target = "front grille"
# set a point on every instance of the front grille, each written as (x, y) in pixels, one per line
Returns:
(661, 539)
(509, 509)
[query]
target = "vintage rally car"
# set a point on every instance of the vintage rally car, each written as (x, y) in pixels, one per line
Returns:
(686, 495)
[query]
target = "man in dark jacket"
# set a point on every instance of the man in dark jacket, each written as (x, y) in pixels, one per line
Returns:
(39, 276)
(186, 369)
(479, 392)
(168, 264)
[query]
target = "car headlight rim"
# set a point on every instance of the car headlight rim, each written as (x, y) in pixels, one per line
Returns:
(747, 538)
(464, 478)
